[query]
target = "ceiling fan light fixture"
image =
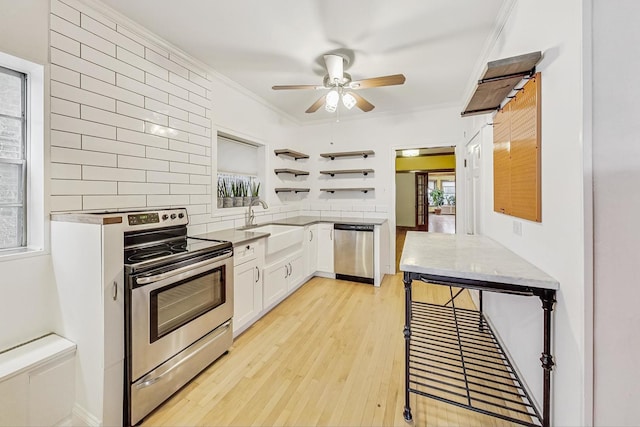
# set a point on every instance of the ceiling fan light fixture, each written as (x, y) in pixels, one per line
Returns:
(331, 101)
(348, 100)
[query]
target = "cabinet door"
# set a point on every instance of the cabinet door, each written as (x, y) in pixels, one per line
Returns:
(325, 248)
(113, 293)
(310, 248)
(244, 289)
(275, 283)
(51, 391)
(296, 271)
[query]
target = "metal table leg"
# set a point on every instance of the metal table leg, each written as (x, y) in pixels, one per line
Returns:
(548, 298)
(407, 343)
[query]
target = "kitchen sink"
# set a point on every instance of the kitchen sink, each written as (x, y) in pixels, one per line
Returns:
(281, 236)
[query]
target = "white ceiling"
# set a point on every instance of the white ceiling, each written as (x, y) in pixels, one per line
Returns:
(436, 44)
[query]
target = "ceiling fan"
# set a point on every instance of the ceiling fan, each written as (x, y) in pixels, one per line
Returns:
(341, 86)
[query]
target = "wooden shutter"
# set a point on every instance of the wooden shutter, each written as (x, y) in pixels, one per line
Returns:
(501, 159)
(516, 154)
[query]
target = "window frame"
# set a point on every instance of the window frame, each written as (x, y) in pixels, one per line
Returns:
(36, 230)
(23, 161)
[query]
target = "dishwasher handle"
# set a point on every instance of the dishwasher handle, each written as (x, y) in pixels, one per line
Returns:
(353, 227)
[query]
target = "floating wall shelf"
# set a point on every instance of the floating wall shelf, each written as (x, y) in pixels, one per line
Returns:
(292, 190)
(294, 172)
(364, 172)
(290, 153)
(332, 156)
(333, 190)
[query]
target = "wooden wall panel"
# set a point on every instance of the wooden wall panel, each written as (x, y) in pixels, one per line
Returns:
(525, 152)
(516, 154)
(501, 160)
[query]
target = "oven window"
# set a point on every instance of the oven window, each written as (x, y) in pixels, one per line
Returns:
(179, 303)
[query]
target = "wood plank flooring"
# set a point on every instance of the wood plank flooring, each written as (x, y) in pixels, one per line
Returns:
(332, 354)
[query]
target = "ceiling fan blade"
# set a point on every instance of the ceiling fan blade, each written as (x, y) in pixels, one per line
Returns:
(362, 103)
(314, 107)
(287, 87)
(335, 67)
(394, 79)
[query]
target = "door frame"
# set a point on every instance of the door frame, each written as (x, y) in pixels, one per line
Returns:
(425, 225)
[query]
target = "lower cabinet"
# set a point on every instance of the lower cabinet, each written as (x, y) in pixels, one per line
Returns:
(296, 271)
(275, 283)
(282, 277)
(247, 285)
(310, 248)
(325, 247)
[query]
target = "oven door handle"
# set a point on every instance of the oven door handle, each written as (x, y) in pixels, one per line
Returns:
(150, 381)
(187, 268)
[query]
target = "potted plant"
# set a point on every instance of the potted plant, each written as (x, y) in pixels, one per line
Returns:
(437, 200)
(255, 190)
(246, 197)
(227, 199)
(220, 192)
(237, 193)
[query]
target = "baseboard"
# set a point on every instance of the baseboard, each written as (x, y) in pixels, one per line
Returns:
(81, 417)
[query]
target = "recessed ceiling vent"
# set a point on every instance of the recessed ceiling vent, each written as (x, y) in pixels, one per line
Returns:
(500, 77)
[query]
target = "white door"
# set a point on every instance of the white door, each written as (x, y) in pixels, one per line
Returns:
(472, 178)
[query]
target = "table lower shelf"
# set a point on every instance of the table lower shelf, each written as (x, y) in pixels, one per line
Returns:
(454, 357)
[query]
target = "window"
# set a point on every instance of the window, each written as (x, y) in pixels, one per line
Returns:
(13, 162)
(22, 168)
(240, 169)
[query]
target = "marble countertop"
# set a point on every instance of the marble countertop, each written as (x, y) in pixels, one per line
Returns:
(470, 257)
(233, 235)
(238, 236)
(308, 220)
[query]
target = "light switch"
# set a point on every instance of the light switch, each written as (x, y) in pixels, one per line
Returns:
(517, 228)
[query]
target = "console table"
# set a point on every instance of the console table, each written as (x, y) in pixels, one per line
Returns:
(451, 353)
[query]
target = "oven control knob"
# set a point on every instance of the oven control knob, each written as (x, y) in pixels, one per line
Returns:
(173, 216)
(180, 215)
(165, 217)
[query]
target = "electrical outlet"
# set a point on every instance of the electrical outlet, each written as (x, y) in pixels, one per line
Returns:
(517, 228)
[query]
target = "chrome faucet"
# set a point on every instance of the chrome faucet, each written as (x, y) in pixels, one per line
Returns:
(250, 215)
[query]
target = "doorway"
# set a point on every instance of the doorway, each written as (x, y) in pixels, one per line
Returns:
(425, 192)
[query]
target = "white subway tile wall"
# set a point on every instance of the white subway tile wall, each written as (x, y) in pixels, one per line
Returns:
(131, 126)
(130, 120)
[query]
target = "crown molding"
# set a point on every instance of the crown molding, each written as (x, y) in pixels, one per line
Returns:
(161, 43)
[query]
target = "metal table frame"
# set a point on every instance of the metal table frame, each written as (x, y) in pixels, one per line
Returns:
(460, 326)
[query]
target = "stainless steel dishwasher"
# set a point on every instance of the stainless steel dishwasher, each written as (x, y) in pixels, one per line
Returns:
(353, 252)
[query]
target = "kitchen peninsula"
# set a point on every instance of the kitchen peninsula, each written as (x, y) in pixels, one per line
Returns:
(452, 354)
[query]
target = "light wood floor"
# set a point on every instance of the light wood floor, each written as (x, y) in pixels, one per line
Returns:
(332, 354)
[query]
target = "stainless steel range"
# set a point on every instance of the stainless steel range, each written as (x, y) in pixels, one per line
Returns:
(178, 307)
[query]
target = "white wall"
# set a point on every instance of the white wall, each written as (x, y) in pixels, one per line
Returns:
(25, 283)
(405, 200)
(428, 128)
(616, 174)
(95, 174)
(556, 245)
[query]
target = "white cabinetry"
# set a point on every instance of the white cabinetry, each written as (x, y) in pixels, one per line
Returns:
(296, 271)
(282, 277)
(37, 383)
(88, 268)
(310, 248)
(325, 248)
(247, 284)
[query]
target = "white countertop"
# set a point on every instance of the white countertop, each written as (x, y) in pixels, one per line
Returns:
(469, 257)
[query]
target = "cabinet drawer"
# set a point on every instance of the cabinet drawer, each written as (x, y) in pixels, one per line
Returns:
(246, 252)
